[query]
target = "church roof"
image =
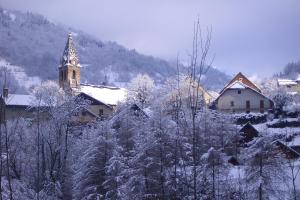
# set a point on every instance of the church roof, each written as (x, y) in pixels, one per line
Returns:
(241, 80)
(106, 94)
(70, 55)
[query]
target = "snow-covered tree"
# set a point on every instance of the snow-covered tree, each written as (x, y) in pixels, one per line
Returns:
(281, 98)
(141, 90)
(90, 172)
(214, 170)
(115, 171)
(263, 171)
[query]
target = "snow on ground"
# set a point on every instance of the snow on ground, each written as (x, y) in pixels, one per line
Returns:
(237, 172)
(264, 130)
(295, 141)
(20, 75)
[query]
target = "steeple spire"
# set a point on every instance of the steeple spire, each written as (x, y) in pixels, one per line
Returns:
(70, 54)
(69, 69)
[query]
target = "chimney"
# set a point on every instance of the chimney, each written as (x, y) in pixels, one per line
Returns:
(5, 92)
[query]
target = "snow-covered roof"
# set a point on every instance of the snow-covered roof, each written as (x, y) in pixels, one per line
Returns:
(19, 100)
(284, 82)
(213, 94)
(292, 93)
(237, 85)
(105, 94)
(241, 78)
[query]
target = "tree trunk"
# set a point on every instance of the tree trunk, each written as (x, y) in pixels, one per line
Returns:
(213, 176)
(1, 164)
(161, 162)
(261, 174)
(38, 152)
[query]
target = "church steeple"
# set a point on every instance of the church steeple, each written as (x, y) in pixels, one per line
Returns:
(69, 69)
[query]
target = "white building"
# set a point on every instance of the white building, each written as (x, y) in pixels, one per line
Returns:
(291, 86)
(241, 95)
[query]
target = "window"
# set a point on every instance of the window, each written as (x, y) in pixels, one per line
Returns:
(239, 91)
(74, 75)
(100, 112)
(232, 103)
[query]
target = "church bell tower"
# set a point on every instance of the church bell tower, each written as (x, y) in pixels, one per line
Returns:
(69, 69)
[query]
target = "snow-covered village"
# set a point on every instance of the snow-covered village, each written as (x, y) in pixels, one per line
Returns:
(149, 100)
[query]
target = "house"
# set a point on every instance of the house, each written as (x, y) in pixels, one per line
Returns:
(286, 150)
(186, 89)
(291, 86)
(241, 95)
(103, 98)
(16, 105)
(248, 132)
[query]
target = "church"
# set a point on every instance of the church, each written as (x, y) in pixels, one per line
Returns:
(102, 99)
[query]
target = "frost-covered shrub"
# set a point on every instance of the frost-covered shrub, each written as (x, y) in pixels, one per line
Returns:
(292, 110)
(283, 124)
(253, 118)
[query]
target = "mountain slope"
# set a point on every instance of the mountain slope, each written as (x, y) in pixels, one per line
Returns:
(32, 42)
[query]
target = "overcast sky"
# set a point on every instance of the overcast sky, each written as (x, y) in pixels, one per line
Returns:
(257, 37)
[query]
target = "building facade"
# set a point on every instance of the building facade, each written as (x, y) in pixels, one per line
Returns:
(241, 95)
